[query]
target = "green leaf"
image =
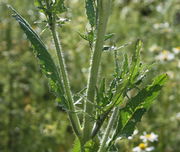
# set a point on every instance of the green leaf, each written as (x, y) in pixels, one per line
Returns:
(88, 37)
(36, 3)
(76, 146)
(59, 6)
(125, 66)
(108, 36)
(90, 12)
(40, 4)
(101, 94)
(92, 145)
(84, 36)
(136, 107)
(45, 60)
(135, 65)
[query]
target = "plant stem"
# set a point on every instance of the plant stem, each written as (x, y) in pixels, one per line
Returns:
(72, 114)
(103, 14)
(108, 129)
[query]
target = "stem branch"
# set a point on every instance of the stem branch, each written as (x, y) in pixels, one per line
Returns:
(103, 14)
(72, 114)
(108, 129)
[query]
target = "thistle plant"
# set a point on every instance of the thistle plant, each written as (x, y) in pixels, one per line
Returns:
(108, 112)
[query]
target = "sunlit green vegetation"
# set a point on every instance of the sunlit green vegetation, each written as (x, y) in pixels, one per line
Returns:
(30, 121)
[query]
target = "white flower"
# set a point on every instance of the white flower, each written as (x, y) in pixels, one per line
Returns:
(149, 137)
(165, 56)
(176, 50)
(161, 25)
(170, 74)
(142, 147)
(134, 133)
(178, 115)
(154, 48)
(160, 8)
(178, 63)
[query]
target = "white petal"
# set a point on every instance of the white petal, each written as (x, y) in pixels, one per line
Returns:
(150, 148)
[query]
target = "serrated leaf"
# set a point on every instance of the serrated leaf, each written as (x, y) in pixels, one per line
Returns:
(137, 106)
(45, 60)
(130, 126)
(90, 12)
(76, 146)
(135, 65)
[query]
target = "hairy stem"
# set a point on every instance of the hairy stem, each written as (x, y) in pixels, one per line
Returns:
(72, 114)
(103, 14)
(108, 129)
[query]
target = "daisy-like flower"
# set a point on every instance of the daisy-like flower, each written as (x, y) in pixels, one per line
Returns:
(176, 50)
(142, 147)
(149, 137)
(165, 56)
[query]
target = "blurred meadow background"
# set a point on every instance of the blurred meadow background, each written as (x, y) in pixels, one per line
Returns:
(30, 120)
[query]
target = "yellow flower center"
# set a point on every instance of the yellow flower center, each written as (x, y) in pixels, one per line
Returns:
(28, 108)
(165, 52)
(178, 48)
(148, 135)
(142, 146)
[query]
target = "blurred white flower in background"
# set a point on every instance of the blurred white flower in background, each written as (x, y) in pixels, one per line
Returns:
(178, 63)
(159, 8)
(149, 137)
(142, 147)
(154, 48)
(178, 115)
(161, 25)
(134, 133)
(170, 74)
(165, 55)
(176, 50)
(175, 117)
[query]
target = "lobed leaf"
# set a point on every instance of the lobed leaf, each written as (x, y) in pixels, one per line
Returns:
(136, 107)
(45, 60)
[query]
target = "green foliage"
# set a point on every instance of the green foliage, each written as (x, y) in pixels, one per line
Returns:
(49, 6)
(59, 6)
(46, 62)
(90, 12)
(125, 80)
(76, 146)
(132, 110)
(135, 108)
(154, 25)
